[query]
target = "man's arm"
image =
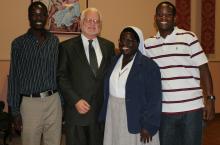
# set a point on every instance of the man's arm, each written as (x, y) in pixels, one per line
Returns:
(150, 120)
(63, 78)
(65, 85)
(207, 85)
(13, 87)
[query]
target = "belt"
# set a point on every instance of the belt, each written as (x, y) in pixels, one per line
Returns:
(41, 95)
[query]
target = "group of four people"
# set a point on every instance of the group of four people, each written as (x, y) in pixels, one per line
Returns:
(109, 99)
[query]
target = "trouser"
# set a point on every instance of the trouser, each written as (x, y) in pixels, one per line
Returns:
(84, 135)
(181, 129)
(41, 117)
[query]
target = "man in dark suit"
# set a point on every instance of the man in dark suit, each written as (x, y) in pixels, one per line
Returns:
(82, 64)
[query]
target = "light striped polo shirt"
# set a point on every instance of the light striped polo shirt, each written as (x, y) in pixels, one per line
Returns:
(178, 55)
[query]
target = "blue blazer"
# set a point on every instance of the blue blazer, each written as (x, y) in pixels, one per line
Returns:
(142, 97)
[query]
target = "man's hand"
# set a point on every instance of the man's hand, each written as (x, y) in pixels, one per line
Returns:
(145, 135)
(17, 122)
(209, 110)
(82, 106)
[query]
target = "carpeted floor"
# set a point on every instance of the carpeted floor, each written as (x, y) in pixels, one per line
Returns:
(211, 134)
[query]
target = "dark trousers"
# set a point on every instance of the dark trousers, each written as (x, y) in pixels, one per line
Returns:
(181, 129)
(84, 135)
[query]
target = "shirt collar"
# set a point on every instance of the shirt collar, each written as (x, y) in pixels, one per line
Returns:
(45, 32)
(85, 39)
(173, 33)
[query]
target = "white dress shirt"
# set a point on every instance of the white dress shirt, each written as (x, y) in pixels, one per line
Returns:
(95, 44)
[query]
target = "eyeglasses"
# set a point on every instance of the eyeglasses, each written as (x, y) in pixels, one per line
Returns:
(90, 21)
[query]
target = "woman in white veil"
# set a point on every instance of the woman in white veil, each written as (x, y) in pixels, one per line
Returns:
(132, 96)
(141, 37)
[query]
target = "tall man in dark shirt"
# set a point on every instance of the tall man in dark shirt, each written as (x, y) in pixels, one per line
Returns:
(82, 64)
(32, 96)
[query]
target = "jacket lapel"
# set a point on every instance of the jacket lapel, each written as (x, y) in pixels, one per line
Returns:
(104, 51)
(109, 72)
(136, 66)
(135, 69)
(81, 53)
(80, 50)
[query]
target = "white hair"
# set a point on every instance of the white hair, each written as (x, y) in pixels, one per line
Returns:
(83, 14)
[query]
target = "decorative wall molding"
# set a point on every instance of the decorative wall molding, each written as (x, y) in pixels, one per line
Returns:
(208, 26)
(183, 13)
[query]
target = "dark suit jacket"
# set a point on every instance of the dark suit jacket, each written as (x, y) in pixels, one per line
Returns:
(77, 81)
(142, 95)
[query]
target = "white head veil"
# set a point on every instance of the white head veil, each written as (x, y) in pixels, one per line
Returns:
(141, 37)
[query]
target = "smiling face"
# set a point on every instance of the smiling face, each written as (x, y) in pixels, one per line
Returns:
(165, 19)
(38, 17)
(91, 24)
(128, 44)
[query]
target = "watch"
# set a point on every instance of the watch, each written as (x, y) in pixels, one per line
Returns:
(211, 98)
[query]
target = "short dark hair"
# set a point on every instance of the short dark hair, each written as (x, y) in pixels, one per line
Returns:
(36, 4)
(129, 29)
(167, 3)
